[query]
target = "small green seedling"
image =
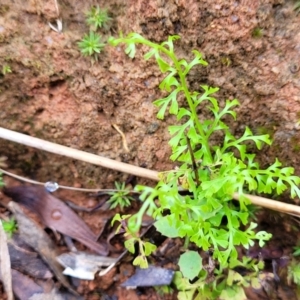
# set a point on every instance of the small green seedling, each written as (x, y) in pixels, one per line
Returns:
(296, 251)
(91, 45)
(145, 248)
(121, 197)
(257, 32)
(6, 69)
(294, 272)
(1, 179)
(297, 7)
(9, 226)
(164, 291)
(97, 17)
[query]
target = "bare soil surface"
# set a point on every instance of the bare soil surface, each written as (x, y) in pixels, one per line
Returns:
(53, 93)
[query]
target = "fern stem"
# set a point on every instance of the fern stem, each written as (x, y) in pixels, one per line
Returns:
(186, 242)
(189, 100)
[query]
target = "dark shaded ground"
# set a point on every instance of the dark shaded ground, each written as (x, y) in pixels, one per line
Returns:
(252, 48)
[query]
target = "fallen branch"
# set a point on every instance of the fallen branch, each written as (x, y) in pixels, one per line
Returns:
(286, 208)
(126, 168)
(76, 154)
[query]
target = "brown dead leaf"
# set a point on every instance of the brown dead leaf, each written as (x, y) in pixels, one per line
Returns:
(24, 286)
(37, 238)
(55, 214)
(26, 260)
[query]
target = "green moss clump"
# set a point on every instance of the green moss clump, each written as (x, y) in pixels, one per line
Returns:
(268, 129)
(257, 33)
(225, 60)
(295, 143)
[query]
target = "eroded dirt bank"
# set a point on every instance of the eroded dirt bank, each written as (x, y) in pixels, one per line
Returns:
(252, 48)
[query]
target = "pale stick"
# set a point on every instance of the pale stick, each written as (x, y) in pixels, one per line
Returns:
(126, 168)
(77, 154)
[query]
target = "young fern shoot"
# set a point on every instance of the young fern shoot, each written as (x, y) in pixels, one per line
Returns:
(207, 215)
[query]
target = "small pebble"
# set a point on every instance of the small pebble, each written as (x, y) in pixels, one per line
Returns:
(294, 68)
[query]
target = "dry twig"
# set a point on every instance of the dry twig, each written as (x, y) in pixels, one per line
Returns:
(126, 168)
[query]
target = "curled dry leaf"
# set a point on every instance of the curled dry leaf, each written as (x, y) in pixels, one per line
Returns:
(5, 264)
(24, 286)
(24, 259)
(83, 265)
(37, 238)
(55, 214)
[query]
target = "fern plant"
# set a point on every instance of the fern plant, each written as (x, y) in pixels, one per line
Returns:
(97, 17)
(206, 216)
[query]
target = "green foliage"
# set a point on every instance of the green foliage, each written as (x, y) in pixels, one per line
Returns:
(296, 251)
(297, 6)
(163, 290)
(97, 17)
(9, 226)
(1, 179)
(190, 264)
(221, 285)
(206, 216)
(257, 32)
(294, 272)
(132, 237)
(91, 45)
(121, 197)
(6, 69)
(226, 61)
